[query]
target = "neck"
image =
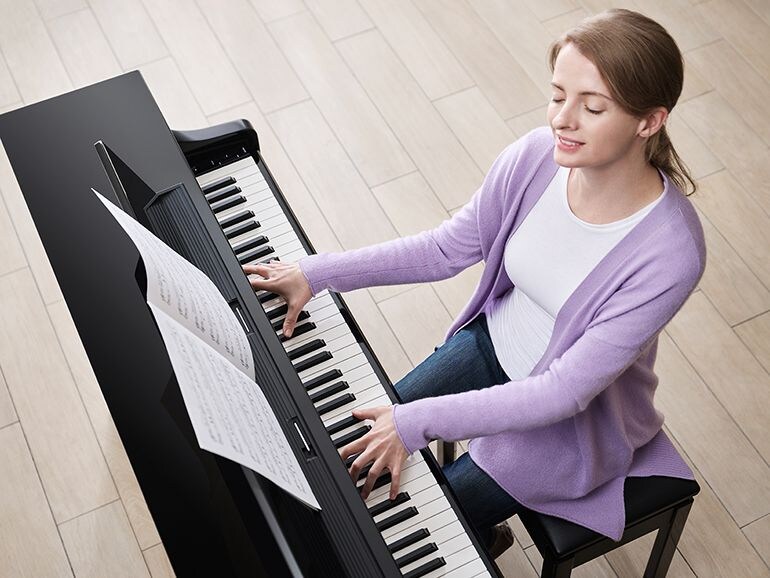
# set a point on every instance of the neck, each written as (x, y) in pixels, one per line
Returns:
(625, 183)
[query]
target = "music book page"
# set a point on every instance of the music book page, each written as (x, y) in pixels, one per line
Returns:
(213, 363)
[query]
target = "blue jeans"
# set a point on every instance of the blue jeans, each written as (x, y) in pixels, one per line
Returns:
(467, 361)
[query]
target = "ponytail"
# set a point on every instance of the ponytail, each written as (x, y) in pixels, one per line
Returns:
(661, 154)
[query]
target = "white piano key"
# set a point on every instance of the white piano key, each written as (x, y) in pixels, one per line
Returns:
(370, 398)
(416, 501)
(350, 352)
(413, 468)
(428, 510)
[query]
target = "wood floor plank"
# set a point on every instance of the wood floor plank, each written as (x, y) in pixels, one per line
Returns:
(8, 92)
(104, 428)
(158, 562)
(596, 568)
(691, 149)
(711, 543)
(739, 25)
(476, 124)
(737, 379)
(758, 533)
(418, 319)
(522, 34)
(367, 138)
(378, 332)
(438, 154)
(100, 543)
(50, 9)
(730, 284)
(29, 53)
(550, 9)
(130, 31)
(424, 54)
(755, 334)
(630, 560)
(7, 412)
(563, 22)
(514, 562)
(737, 81)
(733, 141)
(339, 18)
(494, 70)
(687, 26)
(739, 218)
(257, 58)
(410, 204)
(347, 203)
(60, 436)
(270, 10)
(11, 254)
(29, 542)
(199, 55)
(708, 433)
(27, 232)
(288, 180)
(457, 291)
(172, 93)
(522, 124)
(83, 48)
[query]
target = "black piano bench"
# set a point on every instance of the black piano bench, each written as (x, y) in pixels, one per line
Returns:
(653, 503)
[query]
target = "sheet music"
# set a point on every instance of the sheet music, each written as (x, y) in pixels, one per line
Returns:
(185, 293)
(213, 364)
(229, 412)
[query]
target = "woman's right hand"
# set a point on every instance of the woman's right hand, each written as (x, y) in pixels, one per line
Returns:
(288, 281)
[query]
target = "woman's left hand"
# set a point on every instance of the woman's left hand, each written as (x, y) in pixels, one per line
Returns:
(380, 445)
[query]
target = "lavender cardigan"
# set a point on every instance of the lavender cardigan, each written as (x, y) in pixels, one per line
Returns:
(562, 440)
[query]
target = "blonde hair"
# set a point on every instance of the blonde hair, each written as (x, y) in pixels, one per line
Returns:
(643, 68)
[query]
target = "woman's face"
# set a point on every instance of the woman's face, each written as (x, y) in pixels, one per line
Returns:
(607, 132)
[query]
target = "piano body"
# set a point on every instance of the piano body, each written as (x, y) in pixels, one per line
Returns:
(221, 208)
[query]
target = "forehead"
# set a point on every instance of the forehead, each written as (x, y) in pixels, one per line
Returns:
(573, 71)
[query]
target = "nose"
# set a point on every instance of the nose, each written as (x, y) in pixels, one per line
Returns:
(566, 118)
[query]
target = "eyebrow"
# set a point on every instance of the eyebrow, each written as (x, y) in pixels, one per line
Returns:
(589, 92)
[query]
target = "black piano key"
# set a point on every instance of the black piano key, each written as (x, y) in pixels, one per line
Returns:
(335, 403)
(415, 555)
(426, 568)
(215, 196)
(397, 518)
(298, 330)
(387, 504)
(383, 480)
(236, 218)
(306, 348)
(279, 311)
(266, 261)
(351, 436)
(350, 460)
(408, 540)
(228, 203)
(241, 229)
(322, 394)
(312, 361)
(249, 244)
(265, 297)
(323, 378)
(254, 254)
(342, 424)
(301, 317)
(218, 184)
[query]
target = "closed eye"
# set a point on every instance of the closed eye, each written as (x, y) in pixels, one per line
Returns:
(588, 109)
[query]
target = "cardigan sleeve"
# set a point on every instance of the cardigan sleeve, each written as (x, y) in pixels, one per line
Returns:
(620, 331)
(432, 255)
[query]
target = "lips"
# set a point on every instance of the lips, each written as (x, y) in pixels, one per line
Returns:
(567, 141)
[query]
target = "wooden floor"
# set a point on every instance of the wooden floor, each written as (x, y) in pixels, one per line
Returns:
(379, 118)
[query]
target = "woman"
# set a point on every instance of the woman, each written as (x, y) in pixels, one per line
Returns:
(590, 248)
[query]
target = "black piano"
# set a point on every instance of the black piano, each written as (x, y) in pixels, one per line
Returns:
(209, 195)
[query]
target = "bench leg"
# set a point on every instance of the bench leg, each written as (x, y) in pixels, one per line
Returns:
(446, 452)
(553, 569)
(665, 543)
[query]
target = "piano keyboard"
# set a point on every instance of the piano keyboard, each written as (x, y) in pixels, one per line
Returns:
(420, 527)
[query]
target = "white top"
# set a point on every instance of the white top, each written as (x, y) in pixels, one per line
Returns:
(547, 258)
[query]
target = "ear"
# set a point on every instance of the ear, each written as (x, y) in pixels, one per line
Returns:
(652, 123)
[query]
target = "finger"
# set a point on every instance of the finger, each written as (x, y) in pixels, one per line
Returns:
(371, 478)
(354, 447)
(395, 480)
(291, 319)
(358, 464)
(367, 412)
(258, 269)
